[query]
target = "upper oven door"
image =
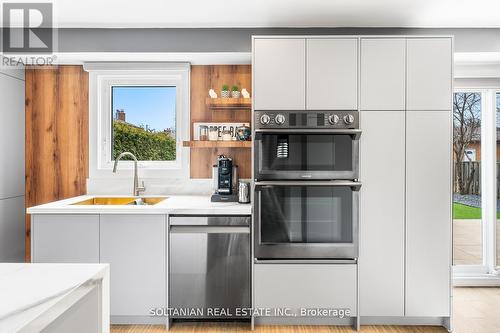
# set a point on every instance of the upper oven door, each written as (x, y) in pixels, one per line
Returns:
(302, 154)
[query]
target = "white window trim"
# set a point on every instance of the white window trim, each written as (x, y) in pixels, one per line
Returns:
(102, 77)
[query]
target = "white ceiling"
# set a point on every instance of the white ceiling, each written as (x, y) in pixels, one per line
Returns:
(276, 13)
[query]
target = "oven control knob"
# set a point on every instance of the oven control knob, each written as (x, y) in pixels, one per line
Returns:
(333, 119)
(348, 119)
(265, 119)
(279, 119)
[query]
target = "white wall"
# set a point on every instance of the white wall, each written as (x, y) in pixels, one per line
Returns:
(12, 165)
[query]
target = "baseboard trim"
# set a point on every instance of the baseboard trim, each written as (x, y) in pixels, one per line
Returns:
(304, 321)
(131, 320)
(413, 321)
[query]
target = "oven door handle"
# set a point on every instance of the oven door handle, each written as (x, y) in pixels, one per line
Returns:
(355, 132)
(256, 218)
(352, 184)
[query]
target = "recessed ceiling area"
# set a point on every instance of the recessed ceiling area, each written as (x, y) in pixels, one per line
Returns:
(277, 13)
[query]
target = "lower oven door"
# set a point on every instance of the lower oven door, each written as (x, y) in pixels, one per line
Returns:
(306, 220)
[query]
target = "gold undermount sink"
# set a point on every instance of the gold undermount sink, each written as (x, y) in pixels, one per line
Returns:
(120, 201)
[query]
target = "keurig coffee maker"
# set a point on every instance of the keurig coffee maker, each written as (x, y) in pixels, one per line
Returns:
(225, 180)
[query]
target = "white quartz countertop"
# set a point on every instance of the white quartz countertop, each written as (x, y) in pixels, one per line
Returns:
(32, 294)
(173, 204)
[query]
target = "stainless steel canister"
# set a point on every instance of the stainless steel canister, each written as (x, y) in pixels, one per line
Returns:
(244, 192)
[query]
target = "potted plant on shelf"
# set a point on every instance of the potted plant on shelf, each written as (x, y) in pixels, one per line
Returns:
(225, 91)
(235, 93)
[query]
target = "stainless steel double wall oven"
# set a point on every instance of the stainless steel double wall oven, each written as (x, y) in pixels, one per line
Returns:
(306, 166)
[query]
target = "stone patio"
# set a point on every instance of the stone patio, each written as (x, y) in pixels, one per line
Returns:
(467, 239)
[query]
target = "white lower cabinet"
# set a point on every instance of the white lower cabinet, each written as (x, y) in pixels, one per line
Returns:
(382, 214)
(134, 247)
(12, 221)
(302, 286)
(65, 238)
(428, 213)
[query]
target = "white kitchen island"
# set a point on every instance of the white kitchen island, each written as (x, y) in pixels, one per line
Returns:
(54, 298)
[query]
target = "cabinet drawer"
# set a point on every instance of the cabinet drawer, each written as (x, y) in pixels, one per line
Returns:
(299, 286)
(210, 220)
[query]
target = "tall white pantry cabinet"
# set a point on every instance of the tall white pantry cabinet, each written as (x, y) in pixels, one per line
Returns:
(402, 86)
(405, 168)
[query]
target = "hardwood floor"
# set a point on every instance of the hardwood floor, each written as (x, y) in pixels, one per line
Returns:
(230, 328)
(476, 310)
(223, 328)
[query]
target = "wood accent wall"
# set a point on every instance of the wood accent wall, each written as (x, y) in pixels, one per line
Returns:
(56, 136)
(204, 78)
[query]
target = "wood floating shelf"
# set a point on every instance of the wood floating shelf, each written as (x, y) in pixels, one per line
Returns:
(228, 103)
(217, 144)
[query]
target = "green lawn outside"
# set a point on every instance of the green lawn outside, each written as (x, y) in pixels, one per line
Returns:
(463, 212)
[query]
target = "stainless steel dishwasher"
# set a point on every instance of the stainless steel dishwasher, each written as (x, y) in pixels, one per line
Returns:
(209, 266)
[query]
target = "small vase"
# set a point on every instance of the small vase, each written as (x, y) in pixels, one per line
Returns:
(225, 94)
(235, 94)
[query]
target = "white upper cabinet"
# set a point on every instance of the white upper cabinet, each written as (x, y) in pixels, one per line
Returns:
(332, 74)
(279, 73)
(382, 74)
(429, 72)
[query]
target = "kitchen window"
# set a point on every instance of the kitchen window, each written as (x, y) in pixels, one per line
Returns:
(143, 109)
(143, 122)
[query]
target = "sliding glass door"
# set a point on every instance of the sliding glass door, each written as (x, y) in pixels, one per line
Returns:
(497, 180)
(467, 223)
(476, 151)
